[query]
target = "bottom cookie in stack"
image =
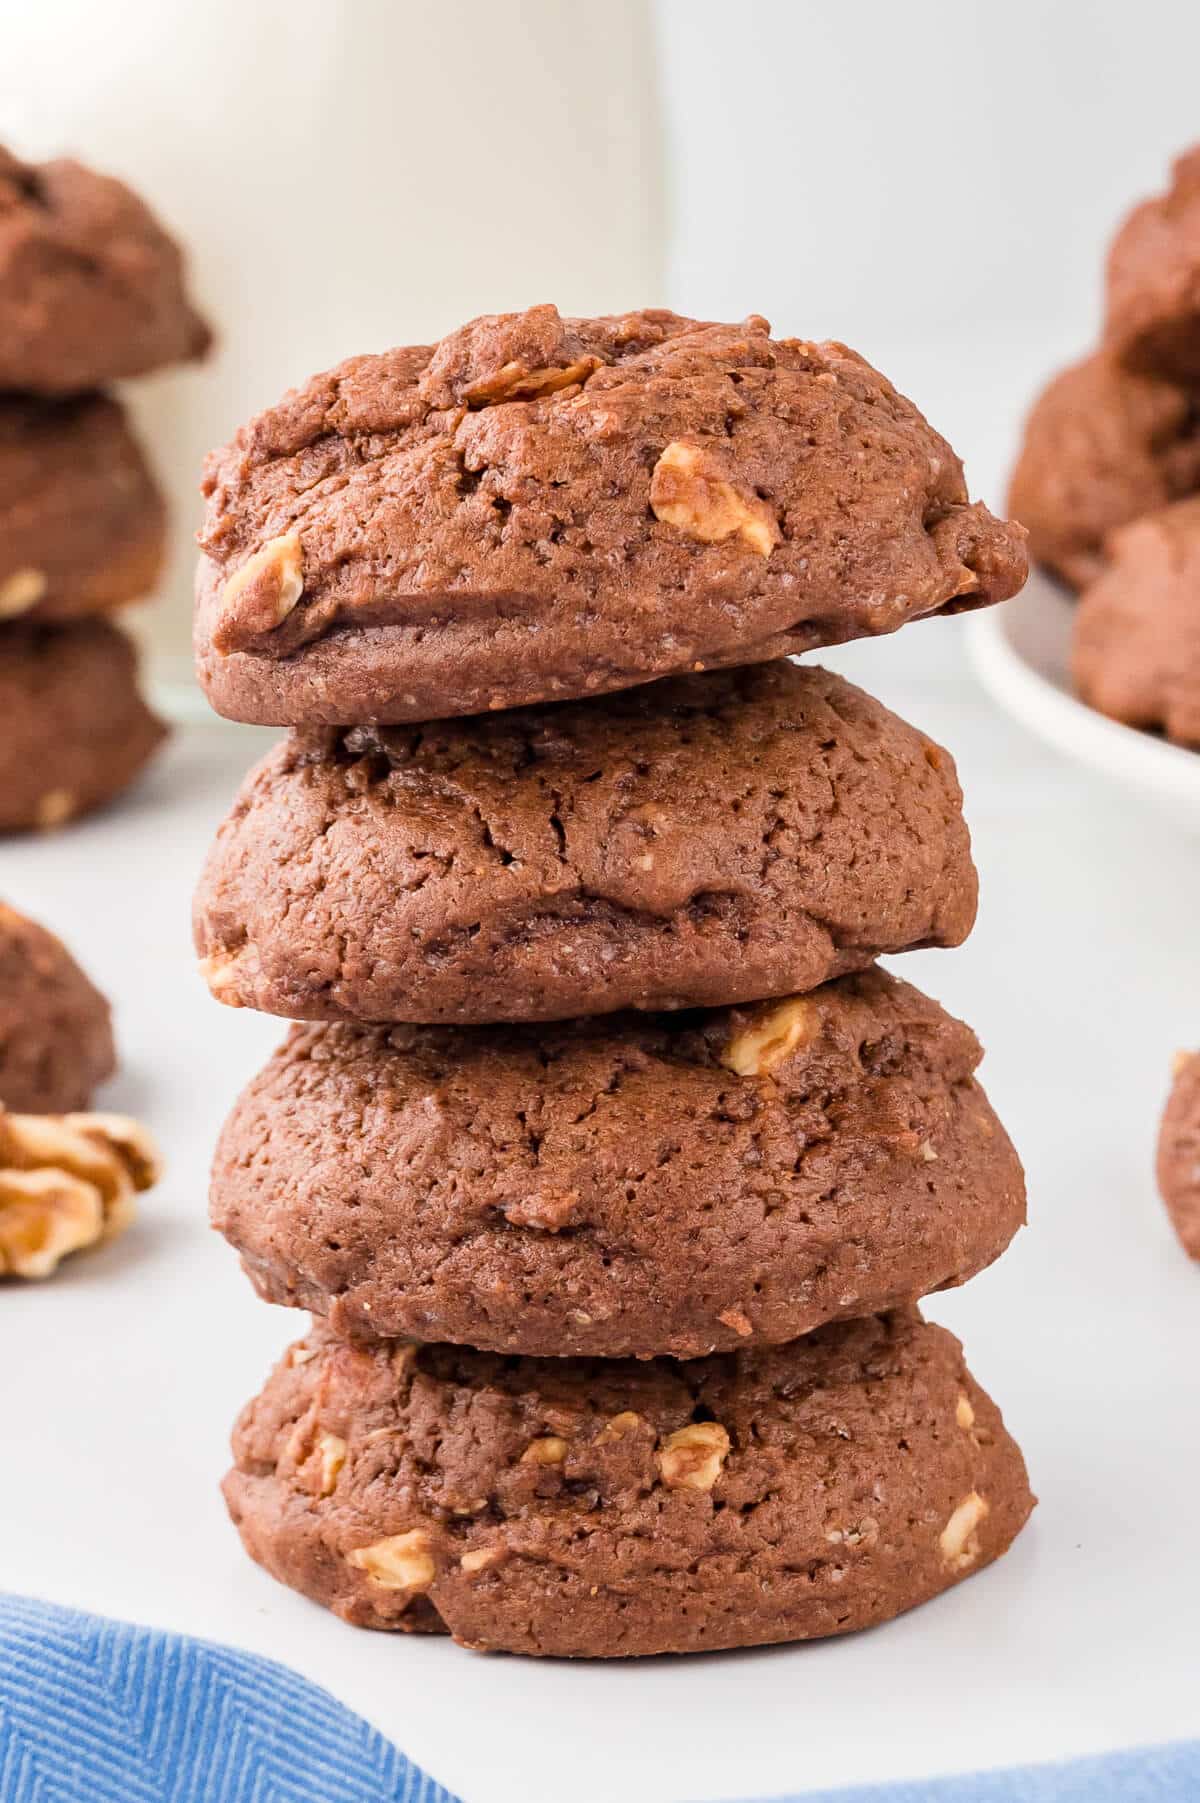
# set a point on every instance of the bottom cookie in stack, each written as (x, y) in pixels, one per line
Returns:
(76, 730)
(601, 1508)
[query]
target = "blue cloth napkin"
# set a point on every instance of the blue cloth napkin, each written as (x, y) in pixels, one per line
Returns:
(98, 1711)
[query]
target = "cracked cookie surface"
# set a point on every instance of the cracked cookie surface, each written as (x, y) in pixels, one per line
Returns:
(637, 1184)
(56, 1042)
(76, 730)
(91, 286)
(612, 1508)
(82, 523)
(541, 508)
(704, 840)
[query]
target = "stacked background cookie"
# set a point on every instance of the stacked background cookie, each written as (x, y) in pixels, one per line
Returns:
(91, 292)
(609, 1162)
(1108, 480)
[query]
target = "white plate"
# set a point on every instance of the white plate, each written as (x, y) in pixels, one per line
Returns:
(1021, 651)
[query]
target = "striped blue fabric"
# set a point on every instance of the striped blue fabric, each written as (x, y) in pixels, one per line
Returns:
(97, 1711)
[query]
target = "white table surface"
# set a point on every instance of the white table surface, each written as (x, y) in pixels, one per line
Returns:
(121, 1376)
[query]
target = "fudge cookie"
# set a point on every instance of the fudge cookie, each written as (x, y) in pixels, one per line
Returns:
(704, 840)
(654, 1184)
(91, 287)
(600, 1509)
(1137, 632)
(540, 508)
(1152, 316)
(56, 1040)
(82, 524)
(1101, 447)
(76, 730)
(1179, 1153)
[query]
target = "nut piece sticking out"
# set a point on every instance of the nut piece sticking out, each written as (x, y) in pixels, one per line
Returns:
(690, 489)
(691, 1458)
(222, 972)
(480, 1557)
(21, 591)
(772, 1034)
(550, 1450)
(54, 808)
(957, 1540)
(513, 382)
(618, 1426)
(260, 595)
(964, 1414)
(331, 1450)
(401, 1562)
(67, 1181)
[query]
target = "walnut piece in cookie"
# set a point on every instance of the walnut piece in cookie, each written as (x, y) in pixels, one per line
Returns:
(1179, 1152)
(260, 595)
(67, 1181)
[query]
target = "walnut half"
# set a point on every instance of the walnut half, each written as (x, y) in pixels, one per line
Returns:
(66, 1181)
(691, 489)
(260, 594)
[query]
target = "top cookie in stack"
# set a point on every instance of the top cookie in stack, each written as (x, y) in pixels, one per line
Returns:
(526, 598)
(538, 509)
(91, 291)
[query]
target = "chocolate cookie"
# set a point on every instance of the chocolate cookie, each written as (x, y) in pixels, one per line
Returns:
(1152, 317)
(56, 1040)
(1179, 1153)
(656, 1184)
(1137, 633)
(76, 730)
(91, 287)
(602, 1509)
(703, 840)
(540, 508)
(82, 524)
(1101, 447)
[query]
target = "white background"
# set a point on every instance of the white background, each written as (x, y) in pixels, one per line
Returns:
(934, 184)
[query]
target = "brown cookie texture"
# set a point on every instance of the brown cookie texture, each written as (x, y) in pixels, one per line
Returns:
(539, 508)
(1152, 302)
(1179, 1153)
(699, 841)
(56, 1043)
(82, 522)
(76, 730)
(1137, 632)
(1101, 447)
(607, 1509)
(91, 286)
(670, 1184)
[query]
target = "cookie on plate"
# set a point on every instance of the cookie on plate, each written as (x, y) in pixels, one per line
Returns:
(56, 1043)
(91, 286)
(1152, 315)
(1179, 1153)
(1137, 632)
(541, 508)
(76, 730)
(82, 523)
(1101, 447)
(703, 840)
(605, 1509)
(633, 1185)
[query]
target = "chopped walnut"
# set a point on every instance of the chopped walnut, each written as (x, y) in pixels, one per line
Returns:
(401, 1562)
(67, 1181)
(738, 1322)
(618, 1426)
(331, 1450)
(55, 808)
(21, 591)
(690, 489)
(513, 382)
(958, 1540)
(550, 1450)
(964, 1414)
(480, 1557)
(220, 972)
(260, 595)
(691, 1458)
(773, 1033)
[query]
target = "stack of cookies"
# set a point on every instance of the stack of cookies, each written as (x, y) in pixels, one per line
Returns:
(91, 291)
(1108, 479)
(608, 1160)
